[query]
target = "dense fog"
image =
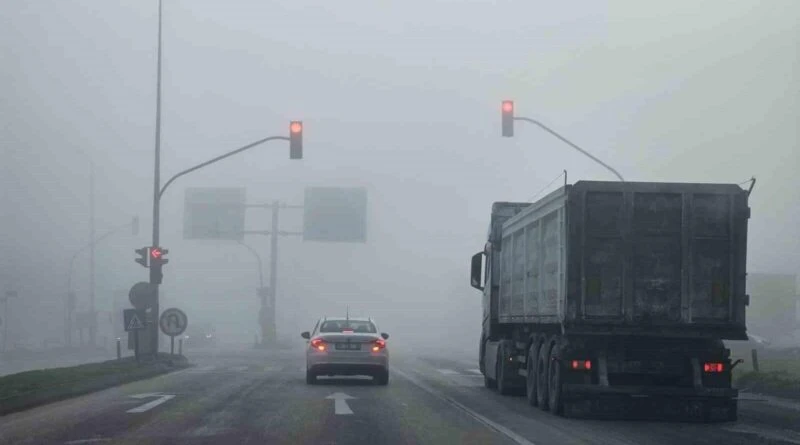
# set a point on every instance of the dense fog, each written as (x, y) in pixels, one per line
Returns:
(399, 97)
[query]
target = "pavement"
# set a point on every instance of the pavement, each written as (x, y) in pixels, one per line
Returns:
(260, 397)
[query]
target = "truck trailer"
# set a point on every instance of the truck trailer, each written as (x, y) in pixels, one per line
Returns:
(609, 296)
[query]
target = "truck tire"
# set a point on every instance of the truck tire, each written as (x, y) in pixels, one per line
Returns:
(733, 411)
(481, 351)
(489, 383)
(502, 379)
(530, 380)
(554, 389)
(542, 381)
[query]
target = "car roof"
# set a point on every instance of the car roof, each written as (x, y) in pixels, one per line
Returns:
(343, 317)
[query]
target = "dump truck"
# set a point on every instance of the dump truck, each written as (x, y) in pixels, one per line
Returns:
(609, 296)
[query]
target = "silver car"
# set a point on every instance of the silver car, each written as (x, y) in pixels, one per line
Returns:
(346, 346)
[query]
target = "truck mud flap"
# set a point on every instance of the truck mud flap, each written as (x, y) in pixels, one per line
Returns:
(652, 408)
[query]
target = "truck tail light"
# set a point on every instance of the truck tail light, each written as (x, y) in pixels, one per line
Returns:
(318, 344)
(582, 365)
(713, 367)
(378, 344)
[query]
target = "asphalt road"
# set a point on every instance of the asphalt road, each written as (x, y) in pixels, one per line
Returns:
(260, 397)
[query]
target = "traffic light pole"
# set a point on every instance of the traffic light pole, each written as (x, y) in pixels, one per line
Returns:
(295, 152)
(563, 139)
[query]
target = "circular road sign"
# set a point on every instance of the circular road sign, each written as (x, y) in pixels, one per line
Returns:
(173, 322)
(142, 295)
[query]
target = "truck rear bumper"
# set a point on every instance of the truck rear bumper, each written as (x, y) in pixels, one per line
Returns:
(576, 391)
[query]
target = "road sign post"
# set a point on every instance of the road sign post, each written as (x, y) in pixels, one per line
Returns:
(134, 321)
(173, 322)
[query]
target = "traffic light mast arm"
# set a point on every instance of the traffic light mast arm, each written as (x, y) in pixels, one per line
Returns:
(563, 139)
(218, 158)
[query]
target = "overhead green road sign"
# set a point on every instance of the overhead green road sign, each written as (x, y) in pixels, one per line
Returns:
(335, 214)
(214, 213)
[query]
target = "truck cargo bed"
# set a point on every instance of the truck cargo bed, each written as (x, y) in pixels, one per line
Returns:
(635, 257)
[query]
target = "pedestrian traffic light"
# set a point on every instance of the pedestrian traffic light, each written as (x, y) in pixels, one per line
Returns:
(143, 254)
(508, 118)
(157, 259)
(296, 140)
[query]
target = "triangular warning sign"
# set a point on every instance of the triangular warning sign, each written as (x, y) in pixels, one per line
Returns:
(135, 323)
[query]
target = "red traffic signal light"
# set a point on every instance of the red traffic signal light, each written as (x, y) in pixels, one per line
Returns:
(157, 255)
(508, 118)
(296, 140)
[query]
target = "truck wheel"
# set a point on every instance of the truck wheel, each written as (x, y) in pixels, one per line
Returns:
(530, 380)
(489, 383)
(554, 391)
(481, 348)
(733, 411)
(541, 377)
(502, 380)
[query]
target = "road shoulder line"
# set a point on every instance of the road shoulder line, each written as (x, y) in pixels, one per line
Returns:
(485, 421)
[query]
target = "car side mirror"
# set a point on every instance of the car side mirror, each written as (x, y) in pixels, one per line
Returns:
(385, 335)
(306, 335)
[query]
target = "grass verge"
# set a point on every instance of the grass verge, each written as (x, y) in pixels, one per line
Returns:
(33, 388)
(778, 375)
(775, 383)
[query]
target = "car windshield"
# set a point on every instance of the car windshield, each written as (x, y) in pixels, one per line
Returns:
(365, 327)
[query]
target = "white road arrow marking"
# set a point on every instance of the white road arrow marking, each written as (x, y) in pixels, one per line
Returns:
(150, 405)
(340, 406)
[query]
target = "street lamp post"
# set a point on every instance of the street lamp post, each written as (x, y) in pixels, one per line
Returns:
(157, 183)
(508, 131)
(70, 302)
(262, 295)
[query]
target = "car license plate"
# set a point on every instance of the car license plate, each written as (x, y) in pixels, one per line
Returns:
(348, 346)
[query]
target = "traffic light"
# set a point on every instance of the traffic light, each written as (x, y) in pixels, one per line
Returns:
(296, 140)
(143, 254)
(157, 259)
(508, 118)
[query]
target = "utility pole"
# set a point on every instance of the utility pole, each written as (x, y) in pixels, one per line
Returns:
(92, 236)
(269, 300)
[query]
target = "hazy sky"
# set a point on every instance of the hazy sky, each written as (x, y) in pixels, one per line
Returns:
(400, 97)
